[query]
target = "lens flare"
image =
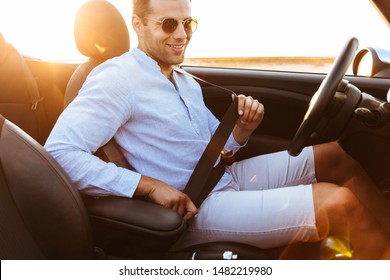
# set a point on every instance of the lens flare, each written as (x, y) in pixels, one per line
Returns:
(100, 49)
(334, 248)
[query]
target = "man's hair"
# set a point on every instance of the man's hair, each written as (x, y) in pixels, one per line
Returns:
(141, 7)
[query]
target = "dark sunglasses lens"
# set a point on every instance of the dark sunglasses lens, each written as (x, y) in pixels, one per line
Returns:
(169, 25)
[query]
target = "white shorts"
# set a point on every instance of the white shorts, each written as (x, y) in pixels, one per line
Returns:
(269, 203)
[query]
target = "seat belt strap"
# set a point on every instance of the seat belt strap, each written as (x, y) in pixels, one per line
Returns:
(205, 176)
(32, 86)
(205, 166)
(113, 153)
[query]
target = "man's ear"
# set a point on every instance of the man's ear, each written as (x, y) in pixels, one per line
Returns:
(137, 23)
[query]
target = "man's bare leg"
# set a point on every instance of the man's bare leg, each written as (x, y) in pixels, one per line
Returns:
(338, 210)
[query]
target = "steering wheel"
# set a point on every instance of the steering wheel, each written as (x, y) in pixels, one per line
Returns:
(323, 97)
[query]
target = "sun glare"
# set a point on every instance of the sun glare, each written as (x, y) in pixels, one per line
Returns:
(47, 26)
(44, 28)
(38, 25)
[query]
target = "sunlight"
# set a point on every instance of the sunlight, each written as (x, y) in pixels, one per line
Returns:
(266, 31)
(270, 30)
(45, 35)
(336, 248)
(27, 18)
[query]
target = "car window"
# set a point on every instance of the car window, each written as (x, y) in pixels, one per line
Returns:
(299, 35)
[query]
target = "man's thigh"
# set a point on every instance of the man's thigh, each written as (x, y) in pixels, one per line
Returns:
(274, 170)
(264, 219)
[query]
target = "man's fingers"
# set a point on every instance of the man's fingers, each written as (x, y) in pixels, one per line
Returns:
(182, 205)
(241, 104)
(190, 210)
(249, 109)
(253, 110)
(258, 111)
(188, 216)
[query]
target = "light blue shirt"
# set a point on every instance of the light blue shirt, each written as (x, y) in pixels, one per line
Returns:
(161, 127)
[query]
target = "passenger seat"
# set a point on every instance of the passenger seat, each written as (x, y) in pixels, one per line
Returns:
(100, 33)
(20, 101)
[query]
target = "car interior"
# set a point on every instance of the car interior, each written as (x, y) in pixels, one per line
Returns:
(43, 216)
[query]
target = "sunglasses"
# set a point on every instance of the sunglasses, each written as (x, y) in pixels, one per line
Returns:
(169, 25)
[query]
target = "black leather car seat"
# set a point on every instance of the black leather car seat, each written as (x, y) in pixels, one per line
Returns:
(42, 215)
(101, 33)
(20, 100)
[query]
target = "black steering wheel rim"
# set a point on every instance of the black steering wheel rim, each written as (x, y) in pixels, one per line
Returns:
(322, 98)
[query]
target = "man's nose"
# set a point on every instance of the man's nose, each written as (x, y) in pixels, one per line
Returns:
(180, 32)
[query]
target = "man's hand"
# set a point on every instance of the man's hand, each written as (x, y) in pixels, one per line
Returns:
(251, 114)
(166, 196)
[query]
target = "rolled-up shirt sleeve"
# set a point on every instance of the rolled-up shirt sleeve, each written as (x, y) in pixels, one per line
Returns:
(232, 146)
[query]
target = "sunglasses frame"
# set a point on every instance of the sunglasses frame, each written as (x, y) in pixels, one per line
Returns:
(189, 21)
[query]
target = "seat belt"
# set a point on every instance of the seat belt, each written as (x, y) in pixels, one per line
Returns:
(32, 86)
(205, 175)
(112, 153)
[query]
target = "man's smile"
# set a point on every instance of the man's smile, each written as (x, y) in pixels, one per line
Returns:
(176, 46)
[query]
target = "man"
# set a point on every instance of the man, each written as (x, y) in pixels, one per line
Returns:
(159, 119)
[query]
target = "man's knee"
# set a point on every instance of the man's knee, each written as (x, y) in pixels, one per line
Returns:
(347, 202)
(336, 207)
(333, 164)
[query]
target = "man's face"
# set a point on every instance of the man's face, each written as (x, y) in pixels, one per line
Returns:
(166, 48)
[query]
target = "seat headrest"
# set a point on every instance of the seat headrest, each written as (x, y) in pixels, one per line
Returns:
(3, 48)
(100, 31)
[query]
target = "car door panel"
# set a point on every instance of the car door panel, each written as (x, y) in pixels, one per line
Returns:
(285, 95)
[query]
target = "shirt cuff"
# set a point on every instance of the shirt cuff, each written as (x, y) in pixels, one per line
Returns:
(128, 183)
(232, 146)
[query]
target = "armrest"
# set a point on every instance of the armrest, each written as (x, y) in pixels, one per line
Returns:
(139, 224)
(134, 215)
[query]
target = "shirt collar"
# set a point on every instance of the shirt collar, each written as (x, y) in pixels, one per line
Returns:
(144, 58)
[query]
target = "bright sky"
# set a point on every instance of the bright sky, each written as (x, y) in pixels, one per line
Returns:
(44, 28)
